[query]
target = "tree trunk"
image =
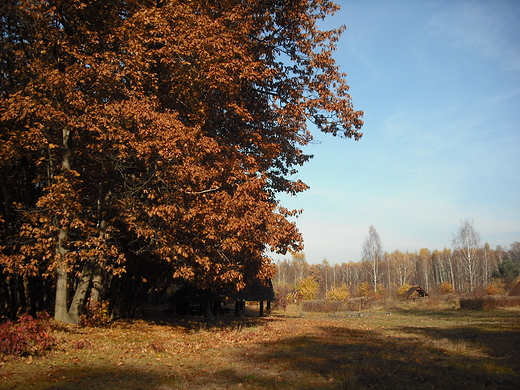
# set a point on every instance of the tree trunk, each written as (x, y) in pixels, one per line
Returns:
(60, 307)
(375, 274)
(81, 294)
(13, 296)
(35, 295)
(97, 283)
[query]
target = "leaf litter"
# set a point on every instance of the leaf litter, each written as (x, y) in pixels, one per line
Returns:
(282, 351)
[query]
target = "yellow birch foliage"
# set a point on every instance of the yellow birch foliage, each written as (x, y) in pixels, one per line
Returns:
(308, 288)
(340, 293)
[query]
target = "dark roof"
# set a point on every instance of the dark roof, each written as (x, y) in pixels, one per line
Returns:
(189, 293)
(419, 290)
(515, 291)
(258, 290)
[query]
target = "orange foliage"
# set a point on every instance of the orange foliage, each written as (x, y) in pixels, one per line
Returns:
(159, 133)
(446, 288)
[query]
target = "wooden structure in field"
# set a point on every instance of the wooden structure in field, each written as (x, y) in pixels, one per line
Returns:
(420, 292)
(258, 291)
(515, 291)
(190, 300)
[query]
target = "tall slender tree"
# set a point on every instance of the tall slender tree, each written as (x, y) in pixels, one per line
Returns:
(372, 255)
(467, 243)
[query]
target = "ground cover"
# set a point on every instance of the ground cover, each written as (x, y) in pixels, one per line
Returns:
(399, 349)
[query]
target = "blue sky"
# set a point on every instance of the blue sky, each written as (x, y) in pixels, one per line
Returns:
(439, 82)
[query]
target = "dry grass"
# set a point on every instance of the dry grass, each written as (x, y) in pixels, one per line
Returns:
(427, 349)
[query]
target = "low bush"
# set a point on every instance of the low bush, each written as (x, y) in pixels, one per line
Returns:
(402, 290)
(360, 303)
(27, 336)
(446, 288)
(97, 314)
(281, 291)
(428, 303)
(323, 306)
(496, 287)
(489, 302)
(326, 306)
(339, 293)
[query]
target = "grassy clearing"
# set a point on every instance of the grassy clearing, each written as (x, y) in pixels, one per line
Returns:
(427, 349)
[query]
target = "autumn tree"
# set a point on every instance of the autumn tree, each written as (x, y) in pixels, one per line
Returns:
(351, 273)
(338, 293)
(372, 255)
(402, 266)
(146, 140)
(422, 268)
(300, 267)
(308, 288)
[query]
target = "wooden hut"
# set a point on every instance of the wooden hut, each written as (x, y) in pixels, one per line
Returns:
(190, 300)
(258, 291)
(515, 291)
(417, 289)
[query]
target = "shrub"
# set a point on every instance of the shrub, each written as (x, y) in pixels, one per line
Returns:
(489, 303)
(477, 303)
(496, 287)
(27, 336)
(96, 314)
(341, 293)
(446, 288)
(381, 292)
(403, 290)
(323, 306)
(281, 291)
(360, 303)
(509, 301)
(364, 290)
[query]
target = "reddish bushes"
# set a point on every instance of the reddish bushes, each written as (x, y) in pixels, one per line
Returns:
(27, 336)
(96, 315)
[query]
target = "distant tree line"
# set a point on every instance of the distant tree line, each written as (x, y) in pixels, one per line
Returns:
(467, 268)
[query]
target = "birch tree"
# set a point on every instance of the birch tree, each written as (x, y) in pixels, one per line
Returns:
(402, 266)
(466, 243)
(372, 255)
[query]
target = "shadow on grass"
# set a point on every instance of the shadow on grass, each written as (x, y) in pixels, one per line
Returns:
(341, 358)
(192, 322)
(480, 355)
(480, 315)
(494, 343)
(94, 378)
